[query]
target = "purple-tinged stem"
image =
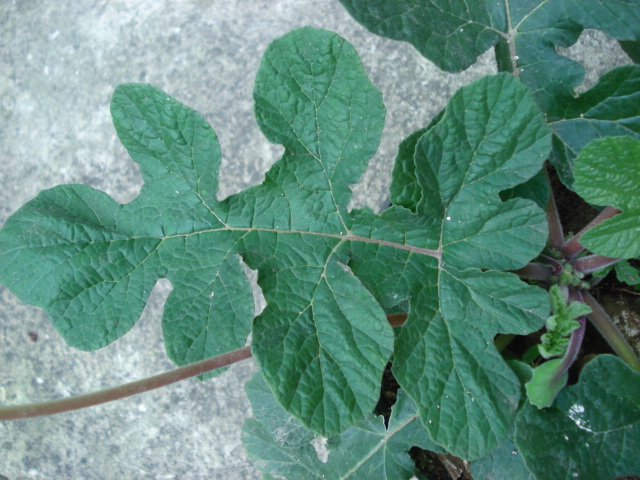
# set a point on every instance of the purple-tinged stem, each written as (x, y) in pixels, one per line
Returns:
(556, 234)
(602, 321)
(534, 271)
(592, 263)
(573, 247)
(575, 342)
(556, 267)
(126, 390)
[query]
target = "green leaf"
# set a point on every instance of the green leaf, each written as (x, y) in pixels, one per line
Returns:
(328, 275)
(405, 189)
(91, 263)
(607, 172)
(548, 379)
(526, 37)
(503, 461)
(490, 138)
(282, 447)
(451, 35)
(593, 431)
(544, 386)
(627, 273)
(323, 341)
(527, 34)
(561, 323)
(607, 109)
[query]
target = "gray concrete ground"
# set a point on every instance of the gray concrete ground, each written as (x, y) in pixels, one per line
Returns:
(59, 64)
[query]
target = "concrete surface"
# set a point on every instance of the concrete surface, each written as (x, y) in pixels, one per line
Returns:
(59, 64)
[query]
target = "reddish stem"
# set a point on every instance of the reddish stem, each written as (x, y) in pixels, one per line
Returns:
(535, 271)
(140, 386)
(592, 263)
(556, 234)
(575, 342)
(126, 390)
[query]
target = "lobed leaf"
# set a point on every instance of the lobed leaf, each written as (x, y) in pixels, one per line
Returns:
(91, 263)
(526, 37)
(489, 138)
(451, 35)
(608, 109)
(608, 173)
(526, 34)
(323, 341)
(328, 275)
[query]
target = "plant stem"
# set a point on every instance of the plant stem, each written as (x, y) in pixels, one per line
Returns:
(575, 342)
(601, 320)
(556, 234)
(126, 390)
(573, 247)
(503, 55)
(140, 386)
(591, 263)
(534, 271)
(556, 266)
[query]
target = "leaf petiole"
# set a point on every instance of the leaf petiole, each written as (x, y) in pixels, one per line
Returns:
(535, 271)
(126, 390)
(556, 233)
(602, 321)
(592, 263)
(140, 386)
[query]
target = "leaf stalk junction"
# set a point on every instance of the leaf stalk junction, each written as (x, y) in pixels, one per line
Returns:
(567, 263)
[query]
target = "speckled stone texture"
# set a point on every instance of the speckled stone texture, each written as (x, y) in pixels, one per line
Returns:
(59, 64)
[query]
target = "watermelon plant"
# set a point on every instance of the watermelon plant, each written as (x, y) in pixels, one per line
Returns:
(440, 290)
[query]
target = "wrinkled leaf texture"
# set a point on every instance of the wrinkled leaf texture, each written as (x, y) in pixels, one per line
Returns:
(284, 448)
(526, 35)
(489, 138)
(323, 341)
(608, 173)
(328, 275)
